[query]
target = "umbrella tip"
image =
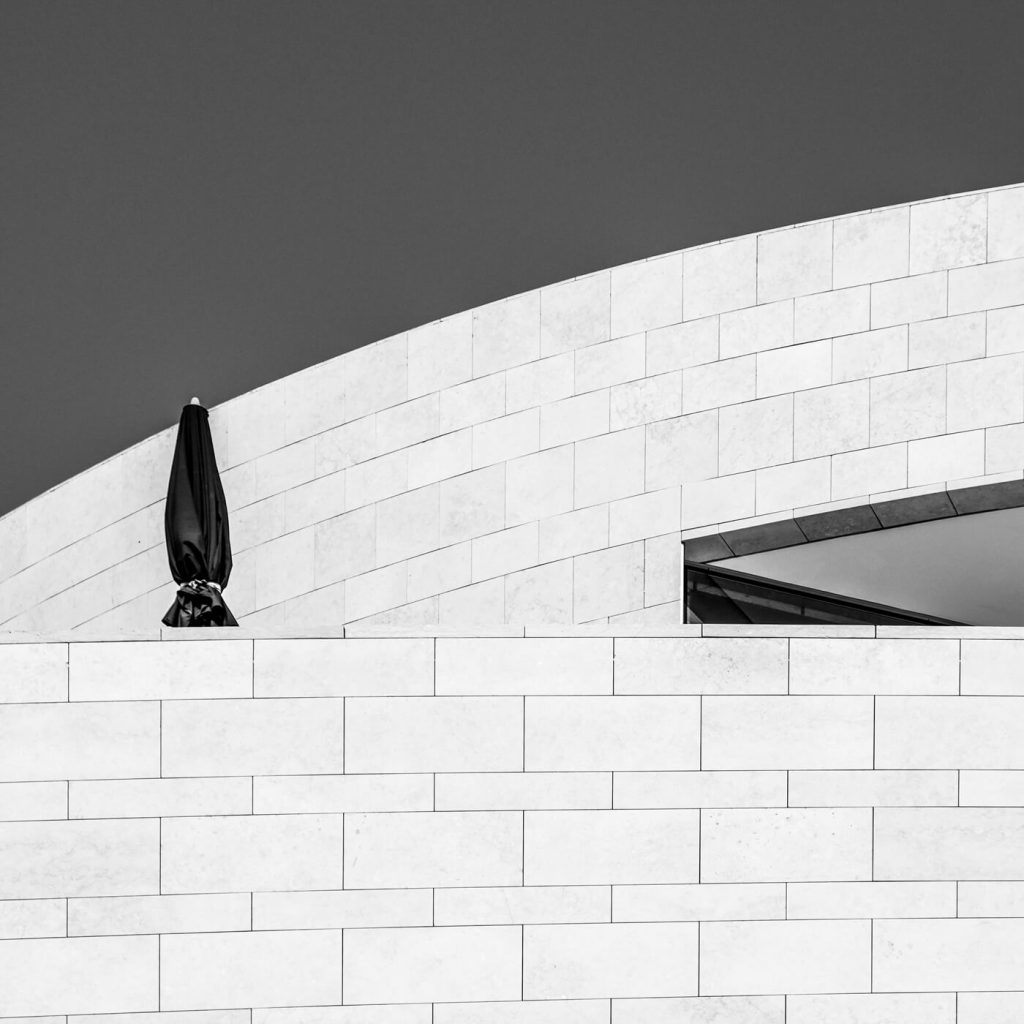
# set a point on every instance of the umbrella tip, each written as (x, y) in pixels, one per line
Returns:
(195, 401)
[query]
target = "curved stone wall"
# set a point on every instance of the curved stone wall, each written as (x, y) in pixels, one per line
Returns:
(537, 458)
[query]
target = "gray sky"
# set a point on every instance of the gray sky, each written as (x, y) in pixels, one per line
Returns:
(199, 197)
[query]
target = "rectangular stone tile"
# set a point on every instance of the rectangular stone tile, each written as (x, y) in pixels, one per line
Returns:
(536, 1011)
(950, 340)
(991, 788)
(726, 382)
(573, 419)
(75, 741)
(871, 899)
(949, 732)
(587, 961)
(786, 732)
(151, 798)
(796, 485)
(989, 1007)
(610, 363)
(507, 791)
(33, 919)
(253, 737)
(878, 788)
(33, 801)
(992, 667)
(785, 956)
(933, 460)
(747, 902)
(980, 843)
(506, 438)
(265, 852)
(62, 976)
(755, 329)
(839, 665)
(985, 392)
(538, 486)
(359, 908)
(434, 734)
(132, 670)
(538, 383)
(897, 1008)
(786, 845)
(33, 672)
(438, 571)
(542, 594)
(830, 314)
(610, 847)
(440, 354)
(857, 474)
(250, 968)
(506, 333)
(909, 405)
(136, 915)
(700, 666)
(700, 789)
(344, 546)
(948, 233)
(870, 353)
(720, 277)
(611, 733)
(908, 299)
(408, 525)
(305, 794)
(175, 1017)
(830, 420)
(344, 668)
(1005, 223)
(531, 904)
(513, 666)
(609, 467)
(987, 286)
(473, 402)
(701, 1010)
(990, 899)
(445, 848)
(647, 294)
(796, 368)
(755, 434)
(707, 502)
(965, 955)
(505, 552)
(794, 261)
(871, 246)
(41, 859)
(432, 964)
(682, 450)
(609, 582)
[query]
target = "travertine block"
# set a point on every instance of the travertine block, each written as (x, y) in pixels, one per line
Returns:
(990, 899)
(991, 788)
(870, 899)
(1005, 224)
(506, 551)
(472, 505)
(153, 671)
(700, 789)
(662, 556)
(720, 277)
(150, 798)
(584, 961)
(870, 470)
(647, 295)
(376, 376)
(948, 233)
(538, 486)
(530, 904)
(682, 345)
(980, 843)
(646, 400)
(610, 363)
(756, 329)
(785, 956)
(609, 467)
(908, 299)
(682, 450)
(338, 668)
(506, 333)
(445, 848)
(700, 665)
(41, 859)
(988, 1007)
(831, 419)
(473, 402)
(534, 1011)
(293, 736)
(871, 246)
(345, 546)
(288, 968)
(829, 314)
(896, 1008)
(985, 392)
(575, 313)
(838, 665)
(795, 485)
(950, 340)
(376, 479)
(542, 665)
(646, 515)
(543, 594)
(265, 852)
(33, 919)
(786, 732)
(1005, 331)
(355, 908)
(723, 383)
(80, 741)
(952, 457)
(755, 434)
(785, 845)
(433, 734)
(340, 448)
(546, 380)
(987, 286)
(870, 354)
(285, 468)
(377, 591)
(440, 354)
(482, 604)
(408, 525)
(506, 438)
(1004, 448)
(749, 902)
(611, 733)
(441, 458)
(305, 794)
(794, 261)
(432, 964)
(438, 571)
(33, 673)
(573, 419)
(33, 801)
(134, 915)
(610, 847)
(60, 976)
(284, 568)
(718, 501)
(879, 788)
(507, 791)
(949, 732)
(794, 369)
(922, 956)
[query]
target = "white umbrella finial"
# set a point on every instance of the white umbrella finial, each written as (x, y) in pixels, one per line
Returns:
(195, 401)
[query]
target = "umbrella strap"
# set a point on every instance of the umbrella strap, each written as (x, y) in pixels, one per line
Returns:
(197, 583)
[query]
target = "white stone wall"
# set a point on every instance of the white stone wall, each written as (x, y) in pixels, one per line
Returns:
(785, 826)
(537, 458)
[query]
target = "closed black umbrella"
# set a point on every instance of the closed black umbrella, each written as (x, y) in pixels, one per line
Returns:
(196, 527)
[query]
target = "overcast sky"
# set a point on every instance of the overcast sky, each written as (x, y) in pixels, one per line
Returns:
(200, 197)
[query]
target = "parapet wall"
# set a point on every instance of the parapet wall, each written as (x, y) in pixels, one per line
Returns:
(536, 459)
(791, 825)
